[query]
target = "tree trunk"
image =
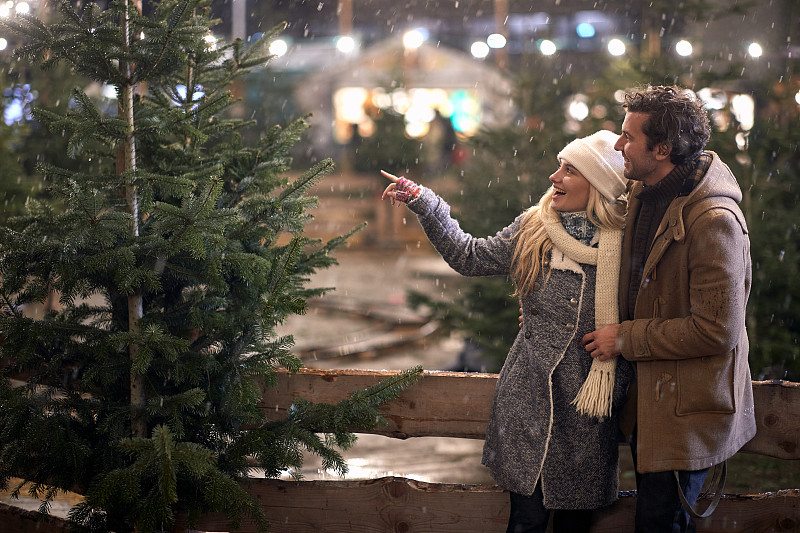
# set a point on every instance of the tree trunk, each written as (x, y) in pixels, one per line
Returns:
(126, 161)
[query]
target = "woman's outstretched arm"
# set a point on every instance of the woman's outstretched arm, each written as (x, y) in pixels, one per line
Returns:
(467, 255)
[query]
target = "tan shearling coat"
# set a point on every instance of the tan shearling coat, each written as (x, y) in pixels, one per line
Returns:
(688, 341)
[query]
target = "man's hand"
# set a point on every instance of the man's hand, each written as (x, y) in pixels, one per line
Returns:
(603, 344)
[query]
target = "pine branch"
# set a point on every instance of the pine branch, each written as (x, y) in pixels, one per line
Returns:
(179, 14)
(280, 271)
(357, 413)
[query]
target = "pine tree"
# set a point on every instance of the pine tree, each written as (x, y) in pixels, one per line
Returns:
(174, 252)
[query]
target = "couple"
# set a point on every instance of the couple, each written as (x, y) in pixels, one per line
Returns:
(638, 300)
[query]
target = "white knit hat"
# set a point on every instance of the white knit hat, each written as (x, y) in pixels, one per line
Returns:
(594, 157)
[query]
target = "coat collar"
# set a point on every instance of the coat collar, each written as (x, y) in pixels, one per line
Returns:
(717, 182)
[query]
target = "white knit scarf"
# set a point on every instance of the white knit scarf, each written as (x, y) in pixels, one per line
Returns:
(595, 396)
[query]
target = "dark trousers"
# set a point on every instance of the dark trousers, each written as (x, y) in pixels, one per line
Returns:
(658, 506)
(528, 515)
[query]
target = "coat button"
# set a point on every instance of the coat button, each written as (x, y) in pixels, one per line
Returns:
(533, 311)
(527, 334)
(536, 286)
(573, 302)
(569, 327)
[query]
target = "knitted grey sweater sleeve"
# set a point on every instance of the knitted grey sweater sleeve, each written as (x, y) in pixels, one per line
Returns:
(466, 254)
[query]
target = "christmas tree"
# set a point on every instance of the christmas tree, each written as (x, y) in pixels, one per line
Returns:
(172, 253)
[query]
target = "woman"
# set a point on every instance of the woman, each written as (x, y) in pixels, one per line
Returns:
(552, 435)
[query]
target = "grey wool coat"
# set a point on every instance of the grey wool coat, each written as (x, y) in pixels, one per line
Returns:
(534, 434)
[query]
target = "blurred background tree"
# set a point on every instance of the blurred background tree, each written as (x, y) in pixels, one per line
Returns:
(23, 141)
(766, 160)
(509, 167)
(508, 171)
(388, 148)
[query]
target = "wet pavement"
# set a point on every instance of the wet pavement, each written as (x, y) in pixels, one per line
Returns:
(383, 277)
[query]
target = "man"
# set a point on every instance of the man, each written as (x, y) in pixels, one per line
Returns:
(684, 283)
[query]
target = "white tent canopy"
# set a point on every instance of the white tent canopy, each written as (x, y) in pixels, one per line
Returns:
(389, 65)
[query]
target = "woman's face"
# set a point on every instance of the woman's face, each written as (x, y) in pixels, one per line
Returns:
(571, 189)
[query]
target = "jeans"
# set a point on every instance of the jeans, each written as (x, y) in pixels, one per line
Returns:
(528, 515)
(658, 506)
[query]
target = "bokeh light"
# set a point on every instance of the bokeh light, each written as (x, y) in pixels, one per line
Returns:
(577, 107)
(479, 49)
(683, 48)
(585, 30)
(345, 44)
(413, 39)
(548, 47)
(755, 50)
(496, 40)
(616, 47)
(211, 42)
(278, 47)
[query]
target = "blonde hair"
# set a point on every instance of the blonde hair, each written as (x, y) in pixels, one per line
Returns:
(533, 245)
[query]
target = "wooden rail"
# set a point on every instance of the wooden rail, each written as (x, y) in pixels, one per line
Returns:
(404, 505)
(16, 520)
(454, 404)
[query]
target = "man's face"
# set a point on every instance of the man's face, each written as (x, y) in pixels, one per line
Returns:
(641, 164)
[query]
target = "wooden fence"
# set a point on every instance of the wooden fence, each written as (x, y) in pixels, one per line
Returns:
(453, 404)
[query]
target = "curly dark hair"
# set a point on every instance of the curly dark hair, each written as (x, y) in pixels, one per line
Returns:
(675, 117)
